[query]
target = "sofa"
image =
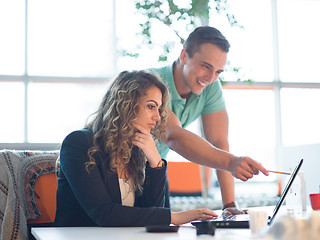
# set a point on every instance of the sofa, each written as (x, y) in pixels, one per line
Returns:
(28, 183)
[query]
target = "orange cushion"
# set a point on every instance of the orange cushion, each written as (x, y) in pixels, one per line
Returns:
(185, 177)
(45, 190)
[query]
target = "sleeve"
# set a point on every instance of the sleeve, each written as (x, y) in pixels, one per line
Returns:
(213, 98)
(92, 194)
(154, 187)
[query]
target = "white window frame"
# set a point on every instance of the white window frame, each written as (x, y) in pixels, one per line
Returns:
(275, 85)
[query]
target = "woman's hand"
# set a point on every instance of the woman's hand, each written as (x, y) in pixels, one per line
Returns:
(178, 218)
(143, 139)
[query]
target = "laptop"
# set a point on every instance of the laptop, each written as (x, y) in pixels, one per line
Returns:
(242, 220)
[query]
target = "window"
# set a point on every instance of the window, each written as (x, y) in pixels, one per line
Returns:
(57, 58)
(299, 40)
(300, 116)
(66, 107)
(251, 44)
(252, 124)
(12, 41)
(13, 111)
(70, 38)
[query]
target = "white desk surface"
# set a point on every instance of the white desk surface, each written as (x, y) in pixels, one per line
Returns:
(133, 233)
(186, 232)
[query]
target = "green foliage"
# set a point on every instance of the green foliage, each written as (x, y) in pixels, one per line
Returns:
(192, 13)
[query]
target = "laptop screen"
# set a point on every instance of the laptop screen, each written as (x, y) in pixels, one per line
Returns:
(286, 190)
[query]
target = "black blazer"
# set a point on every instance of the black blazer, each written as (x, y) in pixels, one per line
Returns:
(94, 198)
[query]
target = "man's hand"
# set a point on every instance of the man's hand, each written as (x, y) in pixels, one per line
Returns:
(245, 168)
(233, 211)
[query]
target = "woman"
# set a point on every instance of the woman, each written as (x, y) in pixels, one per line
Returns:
(110, 172)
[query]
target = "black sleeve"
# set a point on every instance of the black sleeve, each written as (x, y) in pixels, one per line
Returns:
(92, 194)
(154, 187)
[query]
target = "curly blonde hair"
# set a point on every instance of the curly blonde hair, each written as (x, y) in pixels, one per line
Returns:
(113, 128)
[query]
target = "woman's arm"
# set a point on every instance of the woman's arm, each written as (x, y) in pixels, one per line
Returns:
(154, 186)
(178, 218)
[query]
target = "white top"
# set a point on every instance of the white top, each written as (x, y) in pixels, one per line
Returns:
(127, 193)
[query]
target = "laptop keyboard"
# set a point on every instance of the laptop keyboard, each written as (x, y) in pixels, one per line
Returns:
(229, 218)
(232, 218)
(183, 203)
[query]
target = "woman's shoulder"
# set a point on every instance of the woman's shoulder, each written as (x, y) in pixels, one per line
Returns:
(81, 132)
(82, 137)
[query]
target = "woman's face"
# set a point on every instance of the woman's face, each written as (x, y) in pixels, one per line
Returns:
(148, 108)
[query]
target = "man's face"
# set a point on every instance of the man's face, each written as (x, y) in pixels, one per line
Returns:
(203, 68)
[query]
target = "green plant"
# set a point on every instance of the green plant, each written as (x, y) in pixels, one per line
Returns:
(174, 14)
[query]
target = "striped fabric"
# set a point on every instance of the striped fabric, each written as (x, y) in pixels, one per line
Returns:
(19, 171)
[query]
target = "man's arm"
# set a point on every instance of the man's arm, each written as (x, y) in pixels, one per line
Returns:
(200, 151)
(215, 128)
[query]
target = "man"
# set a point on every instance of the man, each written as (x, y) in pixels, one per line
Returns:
(194, 92)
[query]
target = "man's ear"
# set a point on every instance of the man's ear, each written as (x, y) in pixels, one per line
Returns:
(183, 56)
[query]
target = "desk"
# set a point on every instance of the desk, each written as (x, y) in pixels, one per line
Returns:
(186, 232)
(133, 233)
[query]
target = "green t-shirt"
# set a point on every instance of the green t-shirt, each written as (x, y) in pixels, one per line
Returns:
(209, 101)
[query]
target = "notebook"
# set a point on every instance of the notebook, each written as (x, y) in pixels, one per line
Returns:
(242, 221)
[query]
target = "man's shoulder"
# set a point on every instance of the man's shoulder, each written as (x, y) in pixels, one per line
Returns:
(159, 69)
(213, 88)
(212, 98)
(164, 72)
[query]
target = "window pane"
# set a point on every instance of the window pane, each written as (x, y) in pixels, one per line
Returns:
(251, 47)
(299, 38)
(57, 109)
(252, 125)
(12, 112)
(130, 41)
(12, 37)
(300, 116)
(70, 38)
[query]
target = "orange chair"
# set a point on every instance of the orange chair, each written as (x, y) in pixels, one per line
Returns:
(185, 178)
(45, 189)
